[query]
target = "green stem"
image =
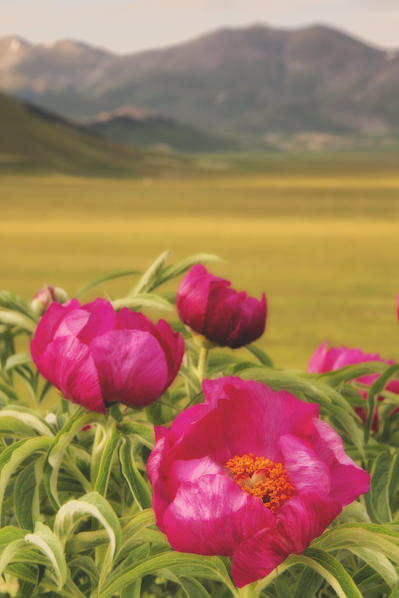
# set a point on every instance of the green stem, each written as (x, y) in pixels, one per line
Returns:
(247, 591)
(202, 362)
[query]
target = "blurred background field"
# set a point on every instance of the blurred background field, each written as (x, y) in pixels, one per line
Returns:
(319, 234)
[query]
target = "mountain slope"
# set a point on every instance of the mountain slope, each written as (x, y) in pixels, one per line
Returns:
(246, 82)
(32, 139)
(149, 130)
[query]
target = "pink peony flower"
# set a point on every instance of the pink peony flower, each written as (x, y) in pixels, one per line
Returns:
(250, 473)
(209, 306)
(326, 360)
(96, 356)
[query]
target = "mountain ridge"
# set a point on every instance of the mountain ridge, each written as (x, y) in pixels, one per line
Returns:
(246, 83)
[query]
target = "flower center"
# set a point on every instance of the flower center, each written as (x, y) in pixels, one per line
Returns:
(262, 478)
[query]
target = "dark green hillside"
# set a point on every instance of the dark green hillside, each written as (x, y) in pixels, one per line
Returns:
(155, 130)
(34, 140)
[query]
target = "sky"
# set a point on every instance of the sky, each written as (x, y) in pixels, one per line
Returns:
(125, 26)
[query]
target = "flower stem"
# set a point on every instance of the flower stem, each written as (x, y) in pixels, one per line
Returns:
(202, 362)
(247, 591)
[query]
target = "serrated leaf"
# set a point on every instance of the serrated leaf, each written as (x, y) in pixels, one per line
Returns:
(14, 455)
(146, 282)
(137, 484)
(48, 543)
(104, 278)
(143, 300)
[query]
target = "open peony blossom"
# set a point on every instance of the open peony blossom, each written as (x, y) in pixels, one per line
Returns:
(250, 473)
(96, 356)
(209, 306)
(326, 360)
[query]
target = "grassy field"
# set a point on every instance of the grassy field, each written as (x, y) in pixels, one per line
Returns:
(320, 236)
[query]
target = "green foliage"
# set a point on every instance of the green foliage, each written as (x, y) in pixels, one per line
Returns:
(75, 499)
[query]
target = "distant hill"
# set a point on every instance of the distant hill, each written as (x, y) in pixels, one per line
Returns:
(249, 83)
(140, 129)
(32, 139)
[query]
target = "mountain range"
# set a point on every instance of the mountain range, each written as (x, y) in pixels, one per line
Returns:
(250, 84)
(34, 140)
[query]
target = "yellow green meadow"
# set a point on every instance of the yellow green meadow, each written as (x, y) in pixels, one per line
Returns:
(322, 242)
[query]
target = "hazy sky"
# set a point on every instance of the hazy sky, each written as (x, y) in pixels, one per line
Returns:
(131, 25)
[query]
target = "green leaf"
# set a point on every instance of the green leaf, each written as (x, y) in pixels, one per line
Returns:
(181, 267)
(86, 564)
(179, 563)
(47, 542)
(57, 451)
(308, 583)
(383, 487)
(378, 562)
(352, 372)
(14, 455)
(143, 431)
(104, 470)
(26, 494)
(17, 359)
(9, 552)
(90, 505)
(137, 484)
(24, 422)
(104, 278)
(260, 355)
(16, 303)
(14, 318)
(147, 280)
(372, 397)
(143, 300)
(330, 569)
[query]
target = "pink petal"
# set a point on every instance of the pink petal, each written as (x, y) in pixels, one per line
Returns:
(222, 314)
(102, 318)
(47, 326)
(304, 467)
(252, 321)
(212, 515)
(68, 365)
(173, 345)
(250, 416)
(133, 320)
(298, 522)
(348, 480)
(193, 294)
(131, 366)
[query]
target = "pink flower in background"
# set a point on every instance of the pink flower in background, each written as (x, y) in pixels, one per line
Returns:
(96, 356)
(326, 360)
(250, 473)
(397, 305)
(209, 306)
(47, 295)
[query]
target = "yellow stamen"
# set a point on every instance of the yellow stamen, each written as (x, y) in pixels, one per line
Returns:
(262, 478)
